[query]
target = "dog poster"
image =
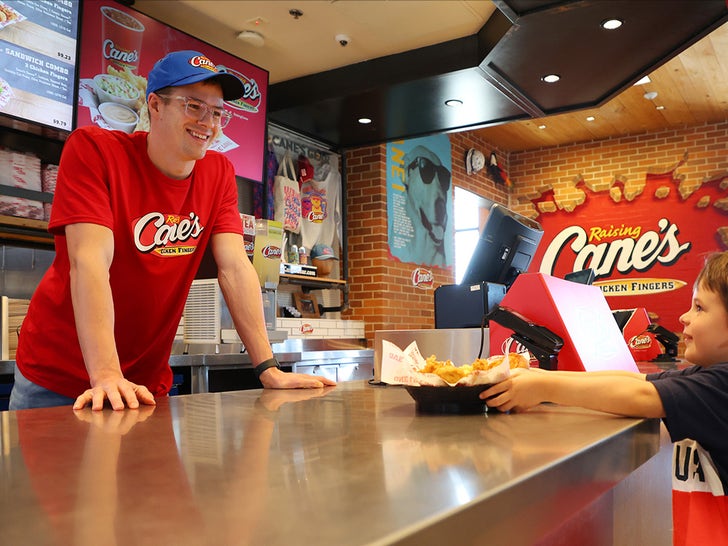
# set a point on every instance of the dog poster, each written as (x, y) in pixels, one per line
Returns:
(419, 201)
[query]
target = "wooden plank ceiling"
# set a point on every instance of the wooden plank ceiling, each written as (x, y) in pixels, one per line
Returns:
(691, 88)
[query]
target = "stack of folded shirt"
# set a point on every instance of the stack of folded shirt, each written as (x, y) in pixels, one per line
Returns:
(20, 170)
(49, 174)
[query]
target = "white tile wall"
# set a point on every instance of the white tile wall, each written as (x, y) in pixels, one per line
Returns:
(310, 328)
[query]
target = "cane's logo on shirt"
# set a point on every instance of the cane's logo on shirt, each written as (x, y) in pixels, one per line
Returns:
(167, 234)
(314, 207)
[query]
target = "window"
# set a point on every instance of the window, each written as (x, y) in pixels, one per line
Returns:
(470, 211)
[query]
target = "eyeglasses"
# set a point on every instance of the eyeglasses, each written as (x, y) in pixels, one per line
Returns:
(428, 170)
(198, 110)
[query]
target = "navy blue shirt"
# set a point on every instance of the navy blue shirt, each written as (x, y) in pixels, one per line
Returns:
(695, 400)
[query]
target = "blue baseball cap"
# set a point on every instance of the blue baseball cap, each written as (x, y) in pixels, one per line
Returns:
(322, 252)
(186, 67)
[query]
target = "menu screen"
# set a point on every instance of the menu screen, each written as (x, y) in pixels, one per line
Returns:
(119, 47)
(38, 60)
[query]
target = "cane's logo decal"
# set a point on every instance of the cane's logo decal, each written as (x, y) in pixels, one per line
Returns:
(167, 234)
(423, 278)
(272, 252)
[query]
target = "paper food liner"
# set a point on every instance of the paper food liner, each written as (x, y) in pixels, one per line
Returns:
(400, 367)
(87, 97)
(223, 143)
(11, 16)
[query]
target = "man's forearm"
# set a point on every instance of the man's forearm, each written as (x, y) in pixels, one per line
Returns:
(93, 309)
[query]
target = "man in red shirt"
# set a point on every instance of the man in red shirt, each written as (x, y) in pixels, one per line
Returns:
(132, 216)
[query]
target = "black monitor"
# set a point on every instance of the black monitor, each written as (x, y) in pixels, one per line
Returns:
(583, 276)
(505, 248)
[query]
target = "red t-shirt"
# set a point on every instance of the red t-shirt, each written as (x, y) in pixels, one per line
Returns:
(161, 227)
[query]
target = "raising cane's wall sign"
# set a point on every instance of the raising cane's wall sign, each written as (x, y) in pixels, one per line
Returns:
(646, 242)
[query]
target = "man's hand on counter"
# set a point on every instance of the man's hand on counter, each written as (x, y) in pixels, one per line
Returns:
(273, 378)
(118, 391)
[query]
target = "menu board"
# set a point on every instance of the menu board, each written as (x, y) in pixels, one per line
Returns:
(38, 60)
(119, 47)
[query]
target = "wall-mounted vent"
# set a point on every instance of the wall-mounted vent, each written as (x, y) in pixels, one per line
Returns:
(202, 312)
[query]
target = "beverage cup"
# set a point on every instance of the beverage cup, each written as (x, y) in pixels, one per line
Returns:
(121, 40)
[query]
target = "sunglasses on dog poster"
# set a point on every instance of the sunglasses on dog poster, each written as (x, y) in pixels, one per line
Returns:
(428, 172)
(419, 201)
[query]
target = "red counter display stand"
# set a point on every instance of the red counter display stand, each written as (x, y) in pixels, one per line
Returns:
(576, 312)
(642, 344)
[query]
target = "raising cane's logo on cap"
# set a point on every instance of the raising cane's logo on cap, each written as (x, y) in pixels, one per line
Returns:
(200, 61)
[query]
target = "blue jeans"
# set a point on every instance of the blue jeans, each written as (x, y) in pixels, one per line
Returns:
(27, 395)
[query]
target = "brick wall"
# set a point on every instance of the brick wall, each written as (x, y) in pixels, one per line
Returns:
(626, 159)
(381, 291)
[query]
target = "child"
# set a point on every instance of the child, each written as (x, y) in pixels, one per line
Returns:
(692, 402)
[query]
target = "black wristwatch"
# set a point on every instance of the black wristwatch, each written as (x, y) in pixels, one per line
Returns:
(263, 366)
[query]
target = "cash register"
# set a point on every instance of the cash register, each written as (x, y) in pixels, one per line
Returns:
(505, 249)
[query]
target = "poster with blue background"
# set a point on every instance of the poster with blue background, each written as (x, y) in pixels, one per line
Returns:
(419, 201)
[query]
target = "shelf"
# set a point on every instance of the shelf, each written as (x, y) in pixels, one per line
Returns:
(25, 229)
(44, 142)
(313, 282)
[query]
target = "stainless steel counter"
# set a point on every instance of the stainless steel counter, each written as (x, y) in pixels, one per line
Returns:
(352, 465)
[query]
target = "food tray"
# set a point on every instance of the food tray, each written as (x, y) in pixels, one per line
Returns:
(452, 400)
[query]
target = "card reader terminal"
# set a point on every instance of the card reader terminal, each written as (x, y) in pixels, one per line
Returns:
(539, 340)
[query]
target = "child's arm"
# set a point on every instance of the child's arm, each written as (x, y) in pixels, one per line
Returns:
(622, 393)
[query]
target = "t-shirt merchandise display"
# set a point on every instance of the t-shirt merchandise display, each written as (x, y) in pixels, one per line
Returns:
(318, 175)
(160, 226)
(694, 400)
(321, 207)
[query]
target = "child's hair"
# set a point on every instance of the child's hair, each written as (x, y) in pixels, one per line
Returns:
(714, 276)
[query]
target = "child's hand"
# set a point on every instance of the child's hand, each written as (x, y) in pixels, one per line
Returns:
(519, 392)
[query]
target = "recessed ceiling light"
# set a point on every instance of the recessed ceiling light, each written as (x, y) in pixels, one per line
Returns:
(590, 118)
(364, 121)
(453, 102)
(551, 78)
(542, 127)
(643, 81)
(252, 37)
(650, 95)
(611, 24)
